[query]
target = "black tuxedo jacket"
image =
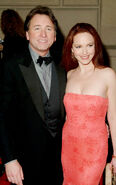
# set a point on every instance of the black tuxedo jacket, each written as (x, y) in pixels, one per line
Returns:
(22, 132)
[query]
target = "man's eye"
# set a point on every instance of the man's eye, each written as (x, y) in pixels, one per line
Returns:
(37, 28)
(49, 29)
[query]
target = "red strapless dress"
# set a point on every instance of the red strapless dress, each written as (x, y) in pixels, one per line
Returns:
(85, 139)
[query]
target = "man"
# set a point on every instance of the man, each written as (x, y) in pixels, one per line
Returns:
(32, 114)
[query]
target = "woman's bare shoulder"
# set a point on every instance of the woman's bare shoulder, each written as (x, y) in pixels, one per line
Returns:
(109, 73)
(70, 73)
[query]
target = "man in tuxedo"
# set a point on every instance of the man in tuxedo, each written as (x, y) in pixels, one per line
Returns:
(32, 113)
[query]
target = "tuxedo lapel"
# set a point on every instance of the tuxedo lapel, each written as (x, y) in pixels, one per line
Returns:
(33, 83)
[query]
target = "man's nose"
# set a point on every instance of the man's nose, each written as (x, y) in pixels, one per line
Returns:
(43, 33)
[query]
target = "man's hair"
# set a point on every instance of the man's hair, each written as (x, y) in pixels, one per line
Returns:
(40, 10)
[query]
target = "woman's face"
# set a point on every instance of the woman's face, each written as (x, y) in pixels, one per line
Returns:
(83, 48)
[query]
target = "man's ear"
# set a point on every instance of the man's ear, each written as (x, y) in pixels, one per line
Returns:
(27, 35)
(55, 38)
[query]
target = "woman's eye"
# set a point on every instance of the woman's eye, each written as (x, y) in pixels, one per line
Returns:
(90, 45)
(78, 46)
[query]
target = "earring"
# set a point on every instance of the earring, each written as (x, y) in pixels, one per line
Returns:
(72, 55)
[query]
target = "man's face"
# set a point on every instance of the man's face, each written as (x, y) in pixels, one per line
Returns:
(41, 34)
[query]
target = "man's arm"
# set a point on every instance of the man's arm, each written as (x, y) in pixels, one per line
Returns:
(12, 167)
(14, 172)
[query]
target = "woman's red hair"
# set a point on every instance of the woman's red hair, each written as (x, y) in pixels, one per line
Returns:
(68, 61)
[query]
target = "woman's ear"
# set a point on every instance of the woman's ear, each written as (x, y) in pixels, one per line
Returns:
(72, 53)
(72, 50)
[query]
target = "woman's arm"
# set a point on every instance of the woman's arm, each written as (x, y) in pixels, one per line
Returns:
(111, 80)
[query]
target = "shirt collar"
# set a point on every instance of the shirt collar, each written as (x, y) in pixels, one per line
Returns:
(35, 55)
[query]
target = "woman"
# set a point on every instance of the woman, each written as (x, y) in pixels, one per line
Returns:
(90, 93)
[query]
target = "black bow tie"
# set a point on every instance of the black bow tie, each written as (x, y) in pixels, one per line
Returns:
(47, 60)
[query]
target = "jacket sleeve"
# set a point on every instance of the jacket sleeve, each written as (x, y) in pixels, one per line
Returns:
(7, 95)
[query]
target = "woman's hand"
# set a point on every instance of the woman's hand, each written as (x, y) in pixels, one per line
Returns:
(113, 164)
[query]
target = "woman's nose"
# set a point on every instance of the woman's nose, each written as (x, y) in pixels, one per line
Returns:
(85, 51)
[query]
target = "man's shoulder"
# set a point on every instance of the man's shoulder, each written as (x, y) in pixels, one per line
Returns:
(17, 59)
(60, 68)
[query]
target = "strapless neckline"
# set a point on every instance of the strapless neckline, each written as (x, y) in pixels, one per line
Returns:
(86, 95)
